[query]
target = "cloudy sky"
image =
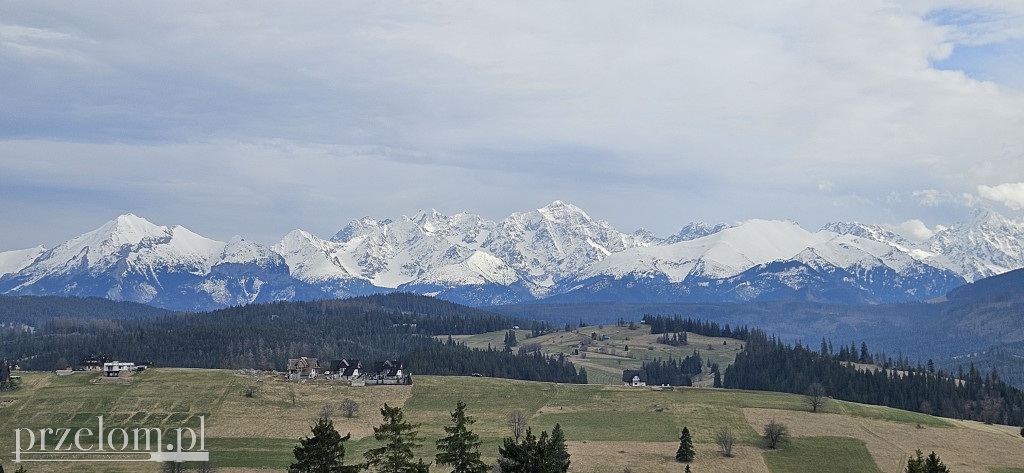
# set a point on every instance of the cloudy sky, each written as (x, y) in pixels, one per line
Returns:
(256, 118)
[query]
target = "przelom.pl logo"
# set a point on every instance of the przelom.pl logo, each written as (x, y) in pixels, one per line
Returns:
(85, 444)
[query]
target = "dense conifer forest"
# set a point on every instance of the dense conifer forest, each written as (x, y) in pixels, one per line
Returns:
(769, 365)
(263, 336)
(35, 310)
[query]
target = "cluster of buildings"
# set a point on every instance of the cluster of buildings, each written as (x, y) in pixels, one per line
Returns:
(383, 372)
(110, 367)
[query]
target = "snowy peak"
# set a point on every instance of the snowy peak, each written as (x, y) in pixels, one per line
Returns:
(102, 245)
(554, 251)
(357, 228)
(986, 245)
(696, 230)
(310, 258)
(870, 232)
(559, 211)
(240, 251)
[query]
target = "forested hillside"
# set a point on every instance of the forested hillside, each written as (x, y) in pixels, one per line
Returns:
(770, 365)
(264, 336)
(35, 310)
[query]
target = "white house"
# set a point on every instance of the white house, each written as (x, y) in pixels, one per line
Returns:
(114, 368)
(635, 378)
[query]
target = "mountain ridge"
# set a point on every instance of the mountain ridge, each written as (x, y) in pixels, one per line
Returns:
(556, 252)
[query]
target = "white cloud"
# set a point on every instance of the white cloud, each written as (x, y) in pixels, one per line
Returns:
(915, 229)
(1009, 194)
(735, 110)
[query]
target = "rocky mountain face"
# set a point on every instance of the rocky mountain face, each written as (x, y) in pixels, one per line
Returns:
(556, 253)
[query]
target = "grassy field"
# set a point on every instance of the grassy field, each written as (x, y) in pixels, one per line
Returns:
(608, 428)
(624, 349)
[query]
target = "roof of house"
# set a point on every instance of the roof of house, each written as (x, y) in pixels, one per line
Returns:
(628, 375)
(303, 363)
(387, 367)
(345, 367)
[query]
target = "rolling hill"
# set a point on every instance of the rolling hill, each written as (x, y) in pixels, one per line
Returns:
(609, 428)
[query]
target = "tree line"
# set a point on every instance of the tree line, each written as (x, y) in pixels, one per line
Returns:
(324, 450)
(674, 324)
(673, 372)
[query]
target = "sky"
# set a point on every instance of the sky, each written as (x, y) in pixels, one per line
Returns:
(258, 118)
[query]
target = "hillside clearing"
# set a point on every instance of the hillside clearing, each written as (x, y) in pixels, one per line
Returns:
(624, 349)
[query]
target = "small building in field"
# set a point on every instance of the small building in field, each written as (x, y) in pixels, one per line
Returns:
(113, 369)
(303, 368)
(635, 378)
(345, 369)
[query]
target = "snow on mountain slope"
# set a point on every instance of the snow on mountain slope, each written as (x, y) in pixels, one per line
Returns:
(13, 261)
(985, 245)
(555, 242)
(695, 230)
(539, 247)
(426, 247)
(127, 244)
(479, 268)
(554, 251)
(312, 259)
(719, 255)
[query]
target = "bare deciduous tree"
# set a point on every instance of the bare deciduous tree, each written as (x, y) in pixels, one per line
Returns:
(775, 433)
(725, 439)
(517, 423)
(326, 411)
(815, 396)
(349, 408)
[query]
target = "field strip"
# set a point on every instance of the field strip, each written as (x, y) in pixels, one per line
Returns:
(659, 457)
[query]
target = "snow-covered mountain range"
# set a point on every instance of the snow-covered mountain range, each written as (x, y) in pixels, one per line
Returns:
(556, 253)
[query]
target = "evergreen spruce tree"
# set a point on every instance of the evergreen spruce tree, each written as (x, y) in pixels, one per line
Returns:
(557, 455)
(323, 452)
(400, 438)
(685, 453)
(519, 457)
(460, 448)
(931, 464)
(533, 454)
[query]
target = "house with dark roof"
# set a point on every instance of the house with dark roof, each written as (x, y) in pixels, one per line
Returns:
(635, 378)
(303, 368)
(389, 372)
(93, 362)
(345, 369)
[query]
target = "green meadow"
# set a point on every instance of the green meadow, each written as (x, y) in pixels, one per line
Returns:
(609, 428)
